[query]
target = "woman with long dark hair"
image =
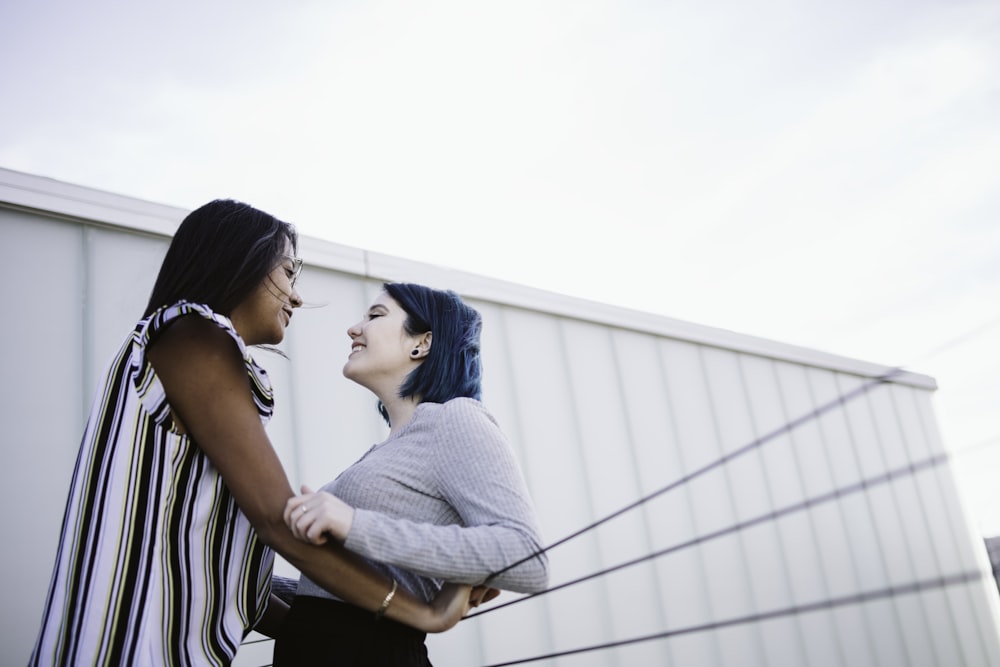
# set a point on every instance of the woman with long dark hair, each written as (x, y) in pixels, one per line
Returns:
(175, 506)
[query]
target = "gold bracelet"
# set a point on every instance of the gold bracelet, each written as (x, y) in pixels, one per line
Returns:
(388, 598)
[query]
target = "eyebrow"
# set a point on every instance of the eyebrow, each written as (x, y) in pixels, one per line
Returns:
(378, 306)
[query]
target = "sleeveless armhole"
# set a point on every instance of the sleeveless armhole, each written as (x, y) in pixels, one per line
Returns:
(147, 383)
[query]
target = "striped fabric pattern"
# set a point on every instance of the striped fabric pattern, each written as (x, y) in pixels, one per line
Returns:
(156, 564)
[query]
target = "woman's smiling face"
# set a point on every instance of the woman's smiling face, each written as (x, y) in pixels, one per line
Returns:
(261, 319)
(381, 349)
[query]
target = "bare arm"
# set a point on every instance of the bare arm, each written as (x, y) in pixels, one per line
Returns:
(207, 387)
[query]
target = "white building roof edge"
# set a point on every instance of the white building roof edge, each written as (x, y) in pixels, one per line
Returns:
(26, 191)
(51, 197)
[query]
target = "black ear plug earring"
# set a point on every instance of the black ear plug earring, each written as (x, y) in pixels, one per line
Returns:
(415, 353)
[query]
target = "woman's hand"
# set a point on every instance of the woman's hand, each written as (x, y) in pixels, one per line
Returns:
(453, 602)
(314, 517)
(450, 605)
(481, 594)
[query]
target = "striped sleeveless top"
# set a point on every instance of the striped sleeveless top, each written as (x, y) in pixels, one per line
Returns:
(156, 563)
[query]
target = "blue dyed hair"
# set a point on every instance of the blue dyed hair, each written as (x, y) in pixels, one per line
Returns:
(452, 367)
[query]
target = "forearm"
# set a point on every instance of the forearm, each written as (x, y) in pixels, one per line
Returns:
(205, 379)
(353, 580)
(465, 554)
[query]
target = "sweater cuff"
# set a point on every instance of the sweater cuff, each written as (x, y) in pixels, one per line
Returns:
(360, 527)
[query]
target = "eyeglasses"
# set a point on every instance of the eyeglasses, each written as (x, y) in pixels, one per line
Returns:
(296, 268)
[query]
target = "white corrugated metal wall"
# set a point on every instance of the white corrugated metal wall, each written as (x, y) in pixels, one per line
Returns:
(603, 405)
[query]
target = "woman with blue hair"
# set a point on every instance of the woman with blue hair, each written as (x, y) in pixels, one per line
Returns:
(441, 499)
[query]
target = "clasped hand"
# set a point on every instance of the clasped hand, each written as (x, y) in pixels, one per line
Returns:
(316, 516)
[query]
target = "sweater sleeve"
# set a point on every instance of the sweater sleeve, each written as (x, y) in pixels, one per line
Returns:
(477, 475)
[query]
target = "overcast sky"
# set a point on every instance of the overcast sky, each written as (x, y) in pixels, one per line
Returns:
(820, 173)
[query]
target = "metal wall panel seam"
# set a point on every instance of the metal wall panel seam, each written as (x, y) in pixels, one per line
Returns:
(894, 422)
(876, 418)
(86, 339)
(602, 588)
(672, 439)
(516, 437)
(852, 436)
(712, 637)
(629, 437)
(787, 413)
(963, 538)
(725, 471)
(786, 417)
(812, 377)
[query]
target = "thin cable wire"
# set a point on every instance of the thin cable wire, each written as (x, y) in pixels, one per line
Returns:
(821, 605)
(840, 492)
(982, 444)
(750, 446)
(788, 426)
(829, 603)
(836, 494)
(815, 501)
(259, 640)
(961, 339)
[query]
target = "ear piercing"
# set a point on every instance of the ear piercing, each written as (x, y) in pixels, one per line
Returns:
(415, 353)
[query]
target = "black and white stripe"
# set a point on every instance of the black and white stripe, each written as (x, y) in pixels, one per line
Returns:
(156, 564)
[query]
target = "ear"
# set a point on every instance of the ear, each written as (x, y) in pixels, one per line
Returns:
(422, 346)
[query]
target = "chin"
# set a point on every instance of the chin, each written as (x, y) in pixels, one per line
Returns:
(353, 373)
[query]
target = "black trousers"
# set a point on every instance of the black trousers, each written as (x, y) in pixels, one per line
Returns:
(320, 632)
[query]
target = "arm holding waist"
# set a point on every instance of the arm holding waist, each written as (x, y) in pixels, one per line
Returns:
(206, 383)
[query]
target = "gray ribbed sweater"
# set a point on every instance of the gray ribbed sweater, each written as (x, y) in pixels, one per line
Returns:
(442, 499)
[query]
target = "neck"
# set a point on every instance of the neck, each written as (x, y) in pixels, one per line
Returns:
(400, 411)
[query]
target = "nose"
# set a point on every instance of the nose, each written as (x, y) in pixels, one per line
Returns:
(354, 331)
(294, 299)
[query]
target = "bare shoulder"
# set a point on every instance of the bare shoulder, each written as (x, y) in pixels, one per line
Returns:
(191, 334)
(193, 341)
